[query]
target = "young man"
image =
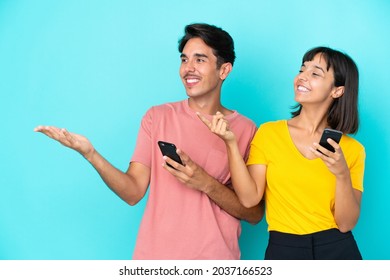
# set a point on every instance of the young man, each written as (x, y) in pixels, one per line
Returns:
(191, 212)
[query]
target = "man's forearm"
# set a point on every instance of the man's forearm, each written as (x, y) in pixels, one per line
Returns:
(227, 199)
(124, 185)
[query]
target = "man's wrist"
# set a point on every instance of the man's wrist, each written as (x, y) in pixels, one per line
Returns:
(90, 155)
(209, 186)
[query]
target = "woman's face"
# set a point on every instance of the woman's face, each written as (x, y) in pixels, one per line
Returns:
(315, 84)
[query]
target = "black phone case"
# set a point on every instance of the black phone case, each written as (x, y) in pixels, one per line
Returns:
(330, 133)
(169, 150)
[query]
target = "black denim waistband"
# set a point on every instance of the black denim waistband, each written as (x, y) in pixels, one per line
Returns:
(308, 240)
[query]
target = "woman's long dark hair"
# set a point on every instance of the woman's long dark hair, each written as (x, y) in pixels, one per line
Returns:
(343, 112)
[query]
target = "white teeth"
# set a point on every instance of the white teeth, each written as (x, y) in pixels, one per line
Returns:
(192, 80)
(302, 88)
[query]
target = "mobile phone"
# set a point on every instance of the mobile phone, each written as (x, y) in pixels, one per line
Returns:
(169, 150)
(330, 133)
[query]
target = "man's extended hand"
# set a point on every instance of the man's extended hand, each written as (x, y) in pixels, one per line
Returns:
(74, 141)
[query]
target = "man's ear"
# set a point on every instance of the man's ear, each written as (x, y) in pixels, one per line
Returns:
(338, 92)
(224, 70)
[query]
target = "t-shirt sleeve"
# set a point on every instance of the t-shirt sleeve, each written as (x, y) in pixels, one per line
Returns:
(357, 170)
(143, 151)
(251, 131)
(256, 152)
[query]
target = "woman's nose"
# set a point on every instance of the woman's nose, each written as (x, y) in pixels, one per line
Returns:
(302, 76)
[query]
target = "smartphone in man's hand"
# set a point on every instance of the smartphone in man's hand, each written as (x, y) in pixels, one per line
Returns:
(169, 150)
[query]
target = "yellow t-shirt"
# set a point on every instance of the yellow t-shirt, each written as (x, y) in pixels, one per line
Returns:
(300, 193)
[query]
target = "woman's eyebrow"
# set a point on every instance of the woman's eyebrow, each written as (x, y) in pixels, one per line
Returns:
(315, 66)
(320, 68)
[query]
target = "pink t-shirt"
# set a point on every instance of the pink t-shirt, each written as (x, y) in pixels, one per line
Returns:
(179, 222)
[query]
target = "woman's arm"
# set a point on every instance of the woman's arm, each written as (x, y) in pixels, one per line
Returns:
(347, 199)
(249, 185)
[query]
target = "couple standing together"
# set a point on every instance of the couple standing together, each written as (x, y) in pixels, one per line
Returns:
(234, 171)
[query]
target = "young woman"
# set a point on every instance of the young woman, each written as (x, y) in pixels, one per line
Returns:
(312, 195)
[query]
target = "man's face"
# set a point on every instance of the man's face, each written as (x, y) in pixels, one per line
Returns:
(198, 69)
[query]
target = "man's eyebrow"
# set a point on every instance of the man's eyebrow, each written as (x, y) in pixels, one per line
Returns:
(201, 55)
(197, 55)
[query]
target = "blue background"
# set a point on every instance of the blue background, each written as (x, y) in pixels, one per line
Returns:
(95, 67)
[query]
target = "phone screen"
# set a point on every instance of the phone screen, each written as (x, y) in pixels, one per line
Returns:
(169, 150)
(330, 133)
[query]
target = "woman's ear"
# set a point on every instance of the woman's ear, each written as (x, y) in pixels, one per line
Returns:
(338, 92)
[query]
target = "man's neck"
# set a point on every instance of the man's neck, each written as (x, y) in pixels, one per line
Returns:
(207, 107)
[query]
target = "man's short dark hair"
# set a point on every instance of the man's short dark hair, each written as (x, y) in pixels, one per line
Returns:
(215, 37)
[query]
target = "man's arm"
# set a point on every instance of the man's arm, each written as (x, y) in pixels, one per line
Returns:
(227, 199)
(195, 177)
(130, 186)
